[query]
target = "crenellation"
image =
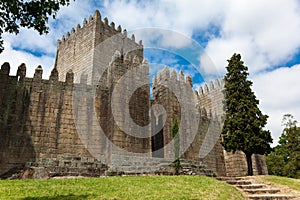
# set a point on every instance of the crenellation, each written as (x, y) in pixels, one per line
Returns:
(223, 82)
(201, 92)
(211, 86)
(181, 76)
(112, 25)
(5, 68)
(119, 29)
(105, 20)
(91, 18)
(68, 35)
(188, 79)
(206, 90)
(217, 84)
(63, 39)
(97, 15)
(133, 37)
(165, 74)
(44, 112)
(54, 75)
(85, 22)
(38, 73)
(159, 78)
(141, 42)
(58, 43)
(76, 52)
(125, 33)
(174, 74)
(21, 73)
(78, 27)
(196, 93)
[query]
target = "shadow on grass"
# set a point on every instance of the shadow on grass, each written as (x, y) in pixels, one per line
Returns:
(60, 197)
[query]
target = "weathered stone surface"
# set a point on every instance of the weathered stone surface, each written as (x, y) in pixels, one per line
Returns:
(51, 127)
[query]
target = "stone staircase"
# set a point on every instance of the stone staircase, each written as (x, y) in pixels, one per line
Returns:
(257, 191)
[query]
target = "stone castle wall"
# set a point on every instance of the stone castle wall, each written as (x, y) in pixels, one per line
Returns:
(174, 92)
(36, 118)
(124, 108)
(88, 48)
(96, 104)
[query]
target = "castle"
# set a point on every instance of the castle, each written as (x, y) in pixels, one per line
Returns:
(94, 114)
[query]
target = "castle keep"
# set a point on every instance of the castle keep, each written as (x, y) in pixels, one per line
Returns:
(94, 114)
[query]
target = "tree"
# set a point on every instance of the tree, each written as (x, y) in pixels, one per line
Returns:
(15, 14)
(244, 122)
(175, 135)
(284, 160)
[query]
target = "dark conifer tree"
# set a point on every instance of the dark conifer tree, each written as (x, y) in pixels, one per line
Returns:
(244, 122)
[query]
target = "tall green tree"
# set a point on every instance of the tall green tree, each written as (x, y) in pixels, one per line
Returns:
(285, 159)
(244, 122)
(35, 14)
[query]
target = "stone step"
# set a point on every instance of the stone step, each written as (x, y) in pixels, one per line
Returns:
(225, 178)
(252, 186)
(262, 191)
(271, 197)
(239, 182)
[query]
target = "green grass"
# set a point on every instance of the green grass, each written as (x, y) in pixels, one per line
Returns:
(135, 187)
(290, 182)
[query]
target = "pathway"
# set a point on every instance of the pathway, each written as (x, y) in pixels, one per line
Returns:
(252, 189)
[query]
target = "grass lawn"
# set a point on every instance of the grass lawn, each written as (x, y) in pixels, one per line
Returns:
(134, 187)
(289, 182)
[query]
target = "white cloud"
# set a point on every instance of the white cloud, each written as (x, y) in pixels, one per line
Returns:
(279, 94)
(266, 34)
(177, 15)
(15, 58)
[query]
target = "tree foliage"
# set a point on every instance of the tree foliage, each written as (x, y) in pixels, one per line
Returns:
(244, 122)
(35, 14)
(285, 158)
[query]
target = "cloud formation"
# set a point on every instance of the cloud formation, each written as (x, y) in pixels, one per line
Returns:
(265, 33)
(279, 94)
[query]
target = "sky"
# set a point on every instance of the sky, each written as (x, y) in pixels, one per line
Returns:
(265, 32)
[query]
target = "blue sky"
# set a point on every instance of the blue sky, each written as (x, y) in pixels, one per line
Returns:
(204, 34)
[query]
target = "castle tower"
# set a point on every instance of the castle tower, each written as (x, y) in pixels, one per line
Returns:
(88, 48)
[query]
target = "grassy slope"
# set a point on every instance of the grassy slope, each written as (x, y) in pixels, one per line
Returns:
(139, 187)
(290, 182)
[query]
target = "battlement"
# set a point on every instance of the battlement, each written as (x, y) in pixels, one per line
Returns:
(165, 75)
(213, 86)
(93, 19)
(94, 42)
(37, 78)
(49, 119)
(128, 59)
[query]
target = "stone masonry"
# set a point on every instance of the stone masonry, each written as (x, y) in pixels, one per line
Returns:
(94, 114)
